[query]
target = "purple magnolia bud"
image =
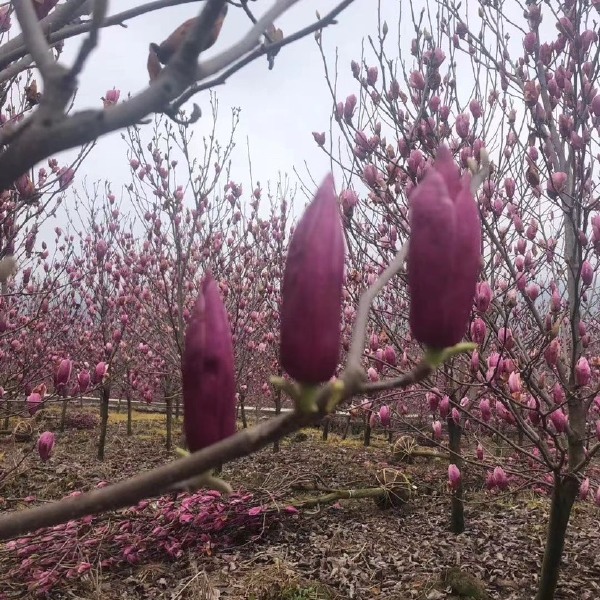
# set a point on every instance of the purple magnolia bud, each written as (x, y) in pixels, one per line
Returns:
(389, 355)
(63, 374)
(584, 489)
(34, 400)
(514, 383)
(437, 430)
(557, 183)
(529, 42)
(500, 478)
(510, 187)
(319, 138)
(311, 305)
(454, 477)
(475, 361)
(385, 415)
(100, 372)
(505, 338)
(478, 331)
(534, 413)
(101, 249)
(372, 374)
(595, 105)
(5, 19)
(583, 372)
(483, 296)
(372, 74)
(444, 255)
(433, 400)
(373, 421)
(444, 407)
(455, 415)
(83, 380)
(416, 80)
(45, 445)
(462, 125)
(485, 409)
(349, 107)
(597, 496)
(533, 291)
(558, 393)
(552, 352)
(475, 108)
(479, 452)
(587, 273)
(111, 97)
(208, 371)
(559, 420)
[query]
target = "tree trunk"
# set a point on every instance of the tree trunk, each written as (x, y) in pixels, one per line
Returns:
(457, 520)
(177, 406)
(326, 426)
(563, 497)
(243, 411)
(104, 403)
(347, 427)
(129, 414)
(367, 438)
(276, 445)
(63, 414)
(169, 410)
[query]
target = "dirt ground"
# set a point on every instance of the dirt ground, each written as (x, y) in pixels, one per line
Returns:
(342, 549)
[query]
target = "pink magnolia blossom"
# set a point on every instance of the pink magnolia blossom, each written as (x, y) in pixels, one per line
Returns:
(583, 372)
(444, 407)
(385, 415)
(111, 97)
(480, 452)
(45, 445)
(454, 477)
(584, 489)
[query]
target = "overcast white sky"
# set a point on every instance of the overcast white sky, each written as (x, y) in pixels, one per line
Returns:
(280, 108)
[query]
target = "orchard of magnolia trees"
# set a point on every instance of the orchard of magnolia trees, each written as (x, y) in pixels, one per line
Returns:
(445, 271)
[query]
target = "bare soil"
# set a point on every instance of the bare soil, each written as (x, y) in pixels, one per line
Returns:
(346, 549)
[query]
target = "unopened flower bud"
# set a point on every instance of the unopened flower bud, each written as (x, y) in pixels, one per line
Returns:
(63, 374)
(385, 415)
(454, 477)
(583, 372)
(311, 305)
(444, 256)
(45, 445)
(587, 273)
(208, 371)
(444, 407)
(584, 489)
(479, 452)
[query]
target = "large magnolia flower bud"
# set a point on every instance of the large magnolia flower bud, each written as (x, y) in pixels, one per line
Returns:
(45, 445)
(311, 304)
(444, 256)
(208, 371)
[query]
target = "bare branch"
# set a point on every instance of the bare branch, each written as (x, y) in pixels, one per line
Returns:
(43, 137)
(34, 38)
(99, 10)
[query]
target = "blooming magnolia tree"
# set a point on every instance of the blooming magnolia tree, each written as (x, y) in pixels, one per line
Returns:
(317, 307)
(36, 123)
(534, 107)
